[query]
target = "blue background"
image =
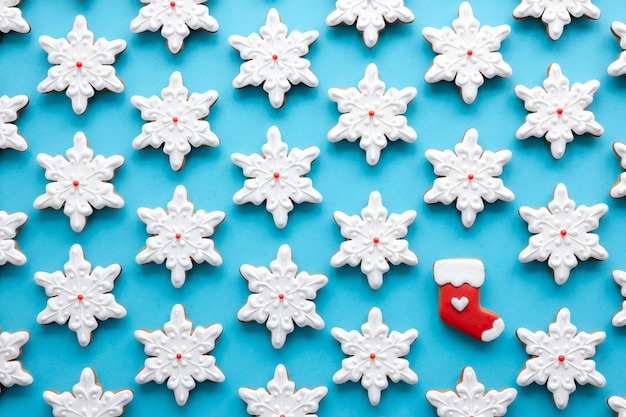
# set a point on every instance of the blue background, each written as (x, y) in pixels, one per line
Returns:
(525, 295)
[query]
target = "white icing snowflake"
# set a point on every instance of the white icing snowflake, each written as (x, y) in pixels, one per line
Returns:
(11, 371)
(558, 110)
(87, 399)
(81, 65)
(617, 404)
(562, 233)
(555, 14)
(372, 115)
(467, 175)
(11, 17)
(370, 16)
(467, 53)
(79, 183)
(618, 190)
(174, 18)
(80, 296)
(179, 355)
(373, 240)
(281, 398)
(560, 358)
(281, 296)
(9, 223)
(375, 355)
(180, 236)
(176, 121)
(619, 319)
(274, 59)
(618, 67)
(9, 109)
(470, 398)
(277, 177)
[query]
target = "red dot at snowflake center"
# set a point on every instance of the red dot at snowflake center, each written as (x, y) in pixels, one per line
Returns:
(563, 232)
(281, 296)
(172, 4)
(75, 183)
(282, 415)
(559, 111)
(470, 176)
(372, 356)
(80, 297)
(561, 358)
(470, 52)
(376, 239)
(175, 119)
(179, 356)
(275, 57)
(276, 175)
(79, 64)
(371, 113)
(178, 235)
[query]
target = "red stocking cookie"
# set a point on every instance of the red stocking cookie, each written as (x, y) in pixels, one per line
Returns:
(459, 281)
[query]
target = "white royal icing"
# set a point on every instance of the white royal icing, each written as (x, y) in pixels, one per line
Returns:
(467, 53)
(274, 59)
(618, 67)
(280, 296)
(281, 397)
(174, 18)
(11, 17)
(555, 14)
(179, 355)
(372, 114)
(619, 319)
(470, 398)
(79, 183)
(9, 110)
(468, 176)
(617, 404)
(81, 65)
(370, 17)
(277, 177)
(374, 240)
(558, 110)
(459, 271)
(176, 121)
(79, 296)
(11, 371)
(561, 233)
(560, 358)
(618, 190)
(9, 223)
(180, 236)
(374, 355)
(88, 399)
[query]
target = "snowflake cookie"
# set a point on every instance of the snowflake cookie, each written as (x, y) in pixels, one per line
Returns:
(174, 18)
(81, 65)
(79, 295)
(470, 398)
(9, 252)
(180, 355)
(180, 236)
(281, 397)
(619, 319)
(274, 59)
(277, 177)
(617, 404)
(370, 16)
(467, 53)
(373, 240)
(11, 371)
(558, 110)
(372, 115)
(561, 233)
(374, 355)
(555, 14)
(560, 358)
(79, 183)
(618, 67)
(11, 17)
(176, 121)
(9, 111)
(618, 190)
(280, 296)
(88, 399)
(468, 176)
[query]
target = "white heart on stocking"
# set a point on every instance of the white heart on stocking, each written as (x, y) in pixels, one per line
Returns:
(459, 303)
